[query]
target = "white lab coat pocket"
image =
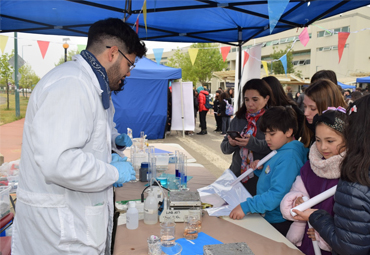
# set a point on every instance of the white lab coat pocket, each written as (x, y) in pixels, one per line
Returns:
(100, 139)
(97, 224)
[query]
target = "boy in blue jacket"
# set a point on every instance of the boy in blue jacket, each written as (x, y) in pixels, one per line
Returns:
(278, 174)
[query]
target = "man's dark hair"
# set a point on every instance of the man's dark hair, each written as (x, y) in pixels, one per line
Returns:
(279, 118)
(114, 29)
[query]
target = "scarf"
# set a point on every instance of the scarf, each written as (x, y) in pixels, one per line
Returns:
(101, 75)
(325, 168)
(250, 128)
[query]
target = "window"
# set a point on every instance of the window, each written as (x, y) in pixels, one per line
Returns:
(320, 49)
(327, 33)
(233, 49)
(275, 42)
(327, 48)
(268, 43)
(345, 29)
(301, 62)
(295, 62)
(283, 40)
(307, 62)
(336, 30)
(320, 33)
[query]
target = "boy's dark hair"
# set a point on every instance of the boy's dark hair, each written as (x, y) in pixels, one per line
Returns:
(325, 74)
(118, 30)
(279, 118)
(356, 163)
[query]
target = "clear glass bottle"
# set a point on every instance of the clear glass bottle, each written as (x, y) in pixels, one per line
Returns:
(151, 209)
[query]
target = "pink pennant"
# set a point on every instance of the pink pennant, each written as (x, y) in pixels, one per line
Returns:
(137, 26)
(225, 51)
(43, 45)
(342, 39)
(246, 57)
(304, 37)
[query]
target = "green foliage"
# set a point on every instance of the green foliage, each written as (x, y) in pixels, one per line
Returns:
(208, 60)
(277, 66)
(70, 54)
(28, 78)
(6, 70)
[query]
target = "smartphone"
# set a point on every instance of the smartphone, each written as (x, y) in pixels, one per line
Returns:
(234, 134)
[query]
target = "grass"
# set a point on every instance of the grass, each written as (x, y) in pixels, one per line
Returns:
(9, 115)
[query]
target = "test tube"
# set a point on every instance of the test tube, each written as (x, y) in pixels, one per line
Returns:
(153, 170)
(177, 163)
(184, 174)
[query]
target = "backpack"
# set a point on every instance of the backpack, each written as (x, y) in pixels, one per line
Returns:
(229, 109)
(208, 104)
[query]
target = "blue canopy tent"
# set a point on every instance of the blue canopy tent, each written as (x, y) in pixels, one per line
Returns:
(345, 86)
(363, 80)
(142, 105)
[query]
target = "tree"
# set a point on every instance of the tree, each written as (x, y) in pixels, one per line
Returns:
(70, 54)
(6, 71)
(28, 78)
(208, 60)
(277, 66)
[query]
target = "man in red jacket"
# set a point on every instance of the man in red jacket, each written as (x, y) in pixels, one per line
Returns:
(202, 109)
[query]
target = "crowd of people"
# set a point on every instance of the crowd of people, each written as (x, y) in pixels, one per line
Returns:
(322, 139)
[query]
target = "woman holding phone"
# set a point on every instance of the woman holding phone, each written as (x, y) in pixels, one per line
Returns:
(251, 144)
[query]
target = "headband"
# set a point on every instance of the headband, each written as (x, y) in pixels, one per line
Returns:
(330, 118)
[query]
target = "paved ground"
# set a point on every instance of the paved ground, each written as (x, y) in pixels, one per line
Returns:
(204, 148)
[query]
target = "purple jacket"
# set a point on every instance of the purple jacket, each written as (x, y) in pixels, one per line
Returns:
(307, 184)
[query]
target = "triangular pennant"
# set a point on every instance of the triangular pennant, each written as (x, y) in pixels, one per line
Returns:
(264, 63)
(342, 39)
(158, 54)
(3, 41)
(137, 25)
(225, 51)
(304, 37)
(284, 62)
(193, 52)
(144, 12)
(246, 57)
(43, 45)
(81, 47)
(276, 8)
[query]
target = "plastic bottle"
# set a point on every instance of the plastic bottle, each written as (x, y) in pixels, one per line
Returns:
(151, 209)
(132, 216)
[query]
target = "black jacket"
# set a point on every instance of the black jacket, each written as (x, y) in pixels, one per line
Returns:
(349, 231)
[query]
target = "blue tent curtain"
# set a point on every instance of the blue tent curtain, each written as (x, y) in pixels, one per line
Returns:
(142, 105)
(345, 86)
(363, 80)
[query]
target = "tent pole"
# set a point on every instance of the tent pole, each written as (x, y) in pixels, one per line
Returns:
(240, 96)
(182, 110)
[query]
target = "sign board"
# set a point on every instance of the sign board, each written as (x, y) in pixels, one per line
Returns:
(19, 76)
(20, 61)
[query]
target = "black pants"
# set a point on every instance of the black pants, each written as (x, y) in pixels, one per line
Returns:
(218, 122)
(202, 118)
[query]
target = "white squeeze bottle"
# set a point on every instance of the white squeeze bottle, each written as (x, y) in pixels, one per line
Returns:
(151, 209)
(132, 216)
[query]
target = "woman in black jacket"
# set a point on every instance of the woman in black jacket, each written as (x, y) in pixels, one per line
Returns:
(349, 231)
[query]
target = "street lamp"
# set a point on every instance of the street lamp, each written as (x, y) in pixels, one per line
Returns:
(65, 46)
(22, 49)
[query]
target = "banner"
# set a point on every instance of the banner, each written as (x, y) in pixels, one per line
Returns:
(193, 52)
(185, 110)
(225, 51)
(304, 37)
(43, 45)
(342, 39)
(144, 12)
(3, 41)
(284, 62)
(264, 63)
(246, 57)
(158, 54)
(276, 8)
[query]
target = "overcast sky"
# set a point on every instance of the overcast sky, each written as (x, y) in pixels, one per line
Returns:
(28, 47)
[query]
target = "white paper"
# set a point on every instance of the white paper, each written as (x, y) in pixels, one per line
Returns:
(315, 200)
(186, 110)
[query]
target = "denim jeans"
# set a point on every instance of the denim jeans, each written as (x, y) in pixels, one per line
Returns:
(225, 124)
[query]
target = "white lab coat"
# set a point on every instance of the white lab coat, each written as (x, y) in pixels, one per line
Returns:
(65, 192)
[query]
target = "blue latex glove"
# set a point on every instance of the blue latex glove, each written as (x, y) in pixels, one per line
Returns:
(126, 172)
(118, 158)
(123, 140)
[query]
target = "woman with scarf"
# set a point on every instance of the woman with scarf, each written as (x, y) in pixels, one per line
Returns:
(252, 146)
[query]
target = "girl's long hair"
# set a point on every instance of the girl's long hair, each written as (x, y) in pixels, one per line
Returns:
(281, 99)
(324, 93)
(356, 164)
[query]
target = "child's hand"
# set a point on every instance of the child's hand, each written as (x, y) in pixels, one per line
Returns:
(254, 164)
(311, 234)
(303, 215)
(298, 201)
(237, 213)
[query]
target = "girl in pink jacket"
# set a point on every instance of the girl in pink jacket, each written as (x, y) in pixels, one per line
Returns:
(321, 172)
